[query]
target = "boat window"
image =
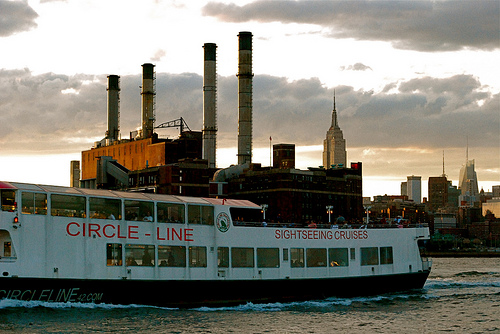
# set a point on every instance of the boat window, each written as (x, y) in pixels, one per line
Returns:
(140, 255)
(200, 214)
(316, 257)
(242, 257)
(114, 255)
(268, 257)
(67, 206)
(34, 203)
(197, 256)
(244, 216)
(223, 257)
(105, 208)
(8, 199)
(353, 254)
(172, 256)
(369, 256)
(6, 249)
(170, 213)
(338, 257)
(386, 255)
(139, 210)
(297, 257)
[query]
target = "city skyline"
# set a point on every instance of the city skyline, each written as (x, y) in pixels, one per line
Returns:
(404, 94)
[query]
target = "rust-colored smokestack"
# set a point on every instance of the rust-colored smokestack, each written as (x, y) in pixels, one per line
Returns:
(148, 100)
(245, 78)
(209, 104)
(113, 132)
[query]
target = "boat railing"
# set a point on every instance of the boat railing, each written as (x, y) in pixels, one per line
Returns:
(326, 225)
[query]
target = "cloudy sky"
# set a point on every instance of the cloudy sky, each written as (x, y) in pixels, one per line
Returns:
(412, 79)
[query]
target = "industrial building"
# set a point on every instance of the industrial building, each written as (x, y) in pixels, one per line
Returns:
(187, 166)
(295, 197)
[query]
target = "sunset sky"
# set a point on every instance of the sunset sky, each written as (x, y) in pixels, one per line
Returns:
(412, 79)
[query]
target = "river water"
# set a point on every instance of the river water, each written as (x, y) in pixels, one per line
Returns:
(460, 296)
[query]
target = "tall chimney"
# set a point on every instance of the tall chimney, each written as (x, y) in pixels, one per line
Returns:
(245, 77)
(148, 100)
(113, 89)
(209, 104)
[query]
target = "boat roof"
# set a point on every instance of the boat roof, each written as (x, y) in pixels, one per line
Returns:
(126, 194)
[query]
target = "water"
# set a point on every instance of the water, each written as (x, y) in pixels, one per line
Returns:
(460, 296)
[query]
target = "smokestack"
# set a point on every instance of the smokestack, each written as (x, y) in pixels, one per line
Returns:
(245, 77)
(209, 104)
(113, 132)
(148, 100)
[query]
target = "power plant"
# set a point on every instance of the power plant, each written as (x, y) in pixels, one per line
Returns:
(148, 94)
(113, 132)
(245, 81)
(210, 104)
(187, 165)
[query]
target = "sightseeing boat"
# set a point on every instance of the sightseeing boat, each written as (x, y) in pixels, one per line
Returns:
(62, 244)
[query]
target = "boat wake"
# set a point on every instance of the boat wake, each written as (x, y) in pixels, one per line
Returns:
(10, 303)
(312, 305)
(449, 283)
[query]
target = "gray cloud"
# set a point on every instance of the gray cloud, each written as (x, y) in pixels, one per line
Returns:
(16, 16)
(63, 114)
(356, 67)
(414, 25)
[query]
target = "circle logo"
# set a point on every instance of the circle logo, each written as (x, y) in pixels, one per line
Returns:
(223, 222)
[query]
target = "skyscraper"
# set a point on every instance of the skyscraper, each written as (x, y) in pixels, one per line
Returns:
(467, 183)
(414, 188)
(438, 192)
(334, 151)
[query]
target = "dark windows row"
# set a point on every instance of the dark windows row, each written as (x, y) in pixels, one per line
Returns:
(144, 255)
(110, 208)
(373, 256)
(319, 257)
(242, 257)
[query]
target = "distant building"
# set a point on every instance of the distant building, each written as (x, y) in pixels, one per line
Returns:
(334, 152)
(295, 196)
(404, 189)
(74, 173)
(493, 206)
(453, 195)
(496, 191)
(438, 192)
(467, 183)
(412, 188)
(140, 154)
(284, 156)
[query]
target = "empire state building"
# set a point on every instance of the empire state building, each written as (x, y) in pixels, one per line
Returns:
(334, 152)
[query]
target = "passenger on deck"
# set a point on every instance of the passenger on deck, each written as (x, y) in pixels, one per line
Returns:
(340, 220)
(146, 258)
(171, 260)
(148, 217)
(131, 261)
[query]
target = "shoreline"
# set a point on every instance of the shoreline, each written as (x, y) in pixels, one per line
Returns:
(461, 254)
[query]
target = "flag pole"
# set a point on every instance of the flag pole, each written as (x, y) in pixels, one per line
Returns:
(270, 152)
